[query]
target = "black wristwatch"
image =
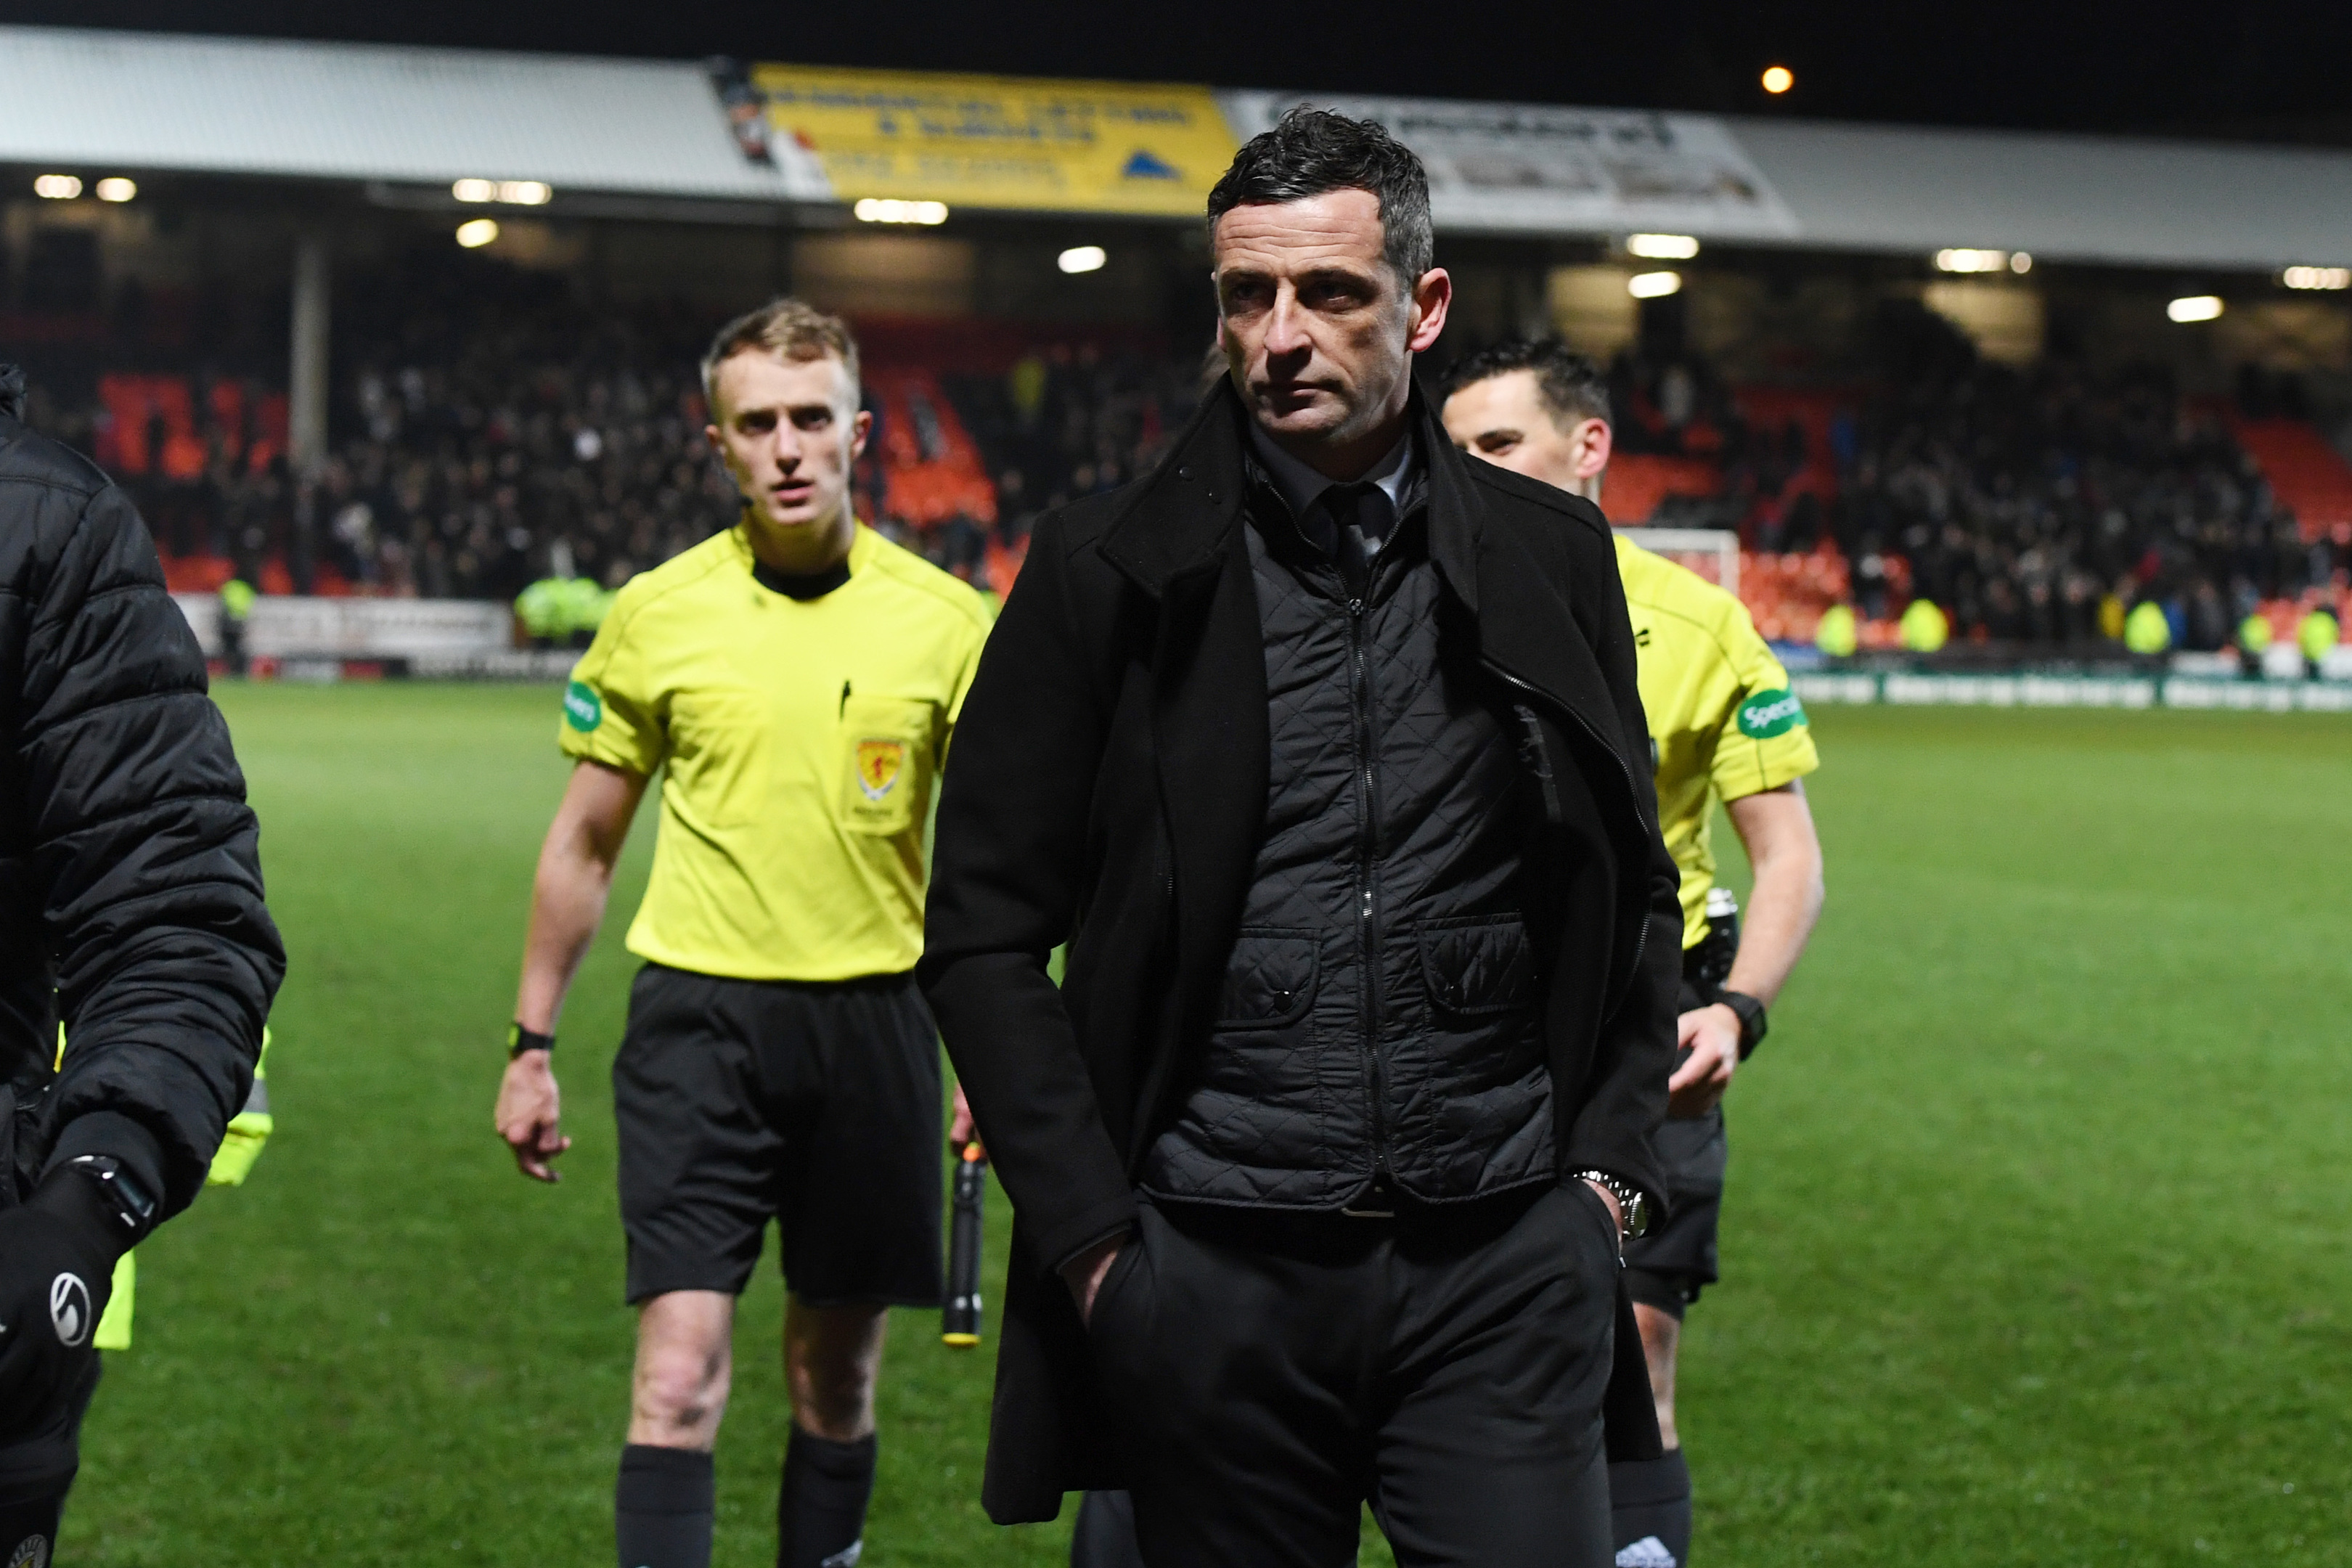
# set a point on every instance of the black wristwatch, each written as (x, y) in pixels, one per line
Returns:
(1752, 1019)
(131, 1204)
(519, 1040)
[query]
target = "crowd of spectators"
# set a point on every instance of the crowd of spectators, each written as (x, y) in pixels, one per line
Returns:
(2039, 506)
(490, 427)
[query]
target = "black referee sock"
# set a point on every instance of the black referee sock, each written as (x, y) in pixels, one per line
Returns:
(1650, 1511)
(662, 1508)
(821, 1513)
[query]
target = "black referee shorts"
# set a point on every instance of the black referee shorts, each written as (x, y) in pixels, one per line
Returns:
(814, 1105)
(1669, 1267)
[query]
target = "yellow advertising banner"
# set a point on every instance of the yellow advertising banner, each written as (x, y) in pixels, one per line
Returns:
(1004, 141)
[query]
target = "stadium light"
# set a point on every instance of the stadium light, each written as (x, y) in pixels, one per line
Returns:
(888, 209)
(2195, 308)
(1653, 285)
(475, 233)
(1961, 260)
(57, 187)
(115, 188)
(2317, 277)
(1082, 258)
(475, 189)
(2020, 262)
(1661, 246)
(1779, 80)
(525, 193)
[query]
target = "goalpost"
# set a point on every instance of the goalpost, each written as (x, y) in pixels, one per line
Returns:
(1712, 552)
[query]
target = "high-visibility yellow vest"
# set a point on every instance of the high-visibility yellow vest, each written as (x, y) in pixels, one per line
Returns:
(2317, 633)
(1924, 627)
(2145, 630)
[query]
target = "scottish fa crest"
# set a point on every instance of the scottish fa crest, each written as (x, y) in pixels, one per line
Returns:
(880, 763)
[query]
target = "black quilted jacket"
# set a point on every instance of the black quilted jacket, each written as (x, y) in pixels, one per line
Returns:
(1109, 787)
(131, 900)
(1381, 1025)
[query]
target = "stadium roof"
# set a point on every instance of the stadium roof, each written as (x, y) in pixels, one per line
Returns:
(150, 102)
(91, 101)
(2075, 199)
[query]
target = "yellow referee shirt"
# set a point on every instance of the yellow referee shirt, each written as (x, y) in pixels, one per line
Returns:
(798, 741)
(1723, 722)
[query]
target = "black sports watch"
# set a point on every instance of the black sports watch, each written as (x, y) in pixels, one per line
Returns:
(1752, 1019)
(131, 1204)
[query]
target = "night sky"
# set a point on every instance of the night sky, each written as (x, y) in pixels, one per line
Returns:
(2264, 69)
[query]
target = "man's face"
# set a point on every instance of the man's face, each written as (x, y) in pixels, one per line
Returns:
(1318, 333)
(1503, 419)
(788, 431)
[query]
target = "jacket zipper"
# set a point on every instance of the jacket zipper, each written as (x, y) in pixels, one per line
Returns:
(1642, 936)
(1367, 934)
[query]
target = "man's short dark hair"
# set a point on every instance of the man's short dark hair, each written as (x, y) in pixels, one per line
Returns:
(1569, 385)
(1310, 152)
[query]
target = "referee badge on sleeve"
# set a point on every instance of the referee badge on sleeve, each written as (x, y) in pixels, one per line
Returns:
(583, 708)
(1770, 713)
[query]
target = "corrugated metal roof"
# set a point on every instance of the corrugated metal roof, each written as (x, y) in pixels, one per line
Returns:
(101, 101)
(149, 102)
(2062, 198)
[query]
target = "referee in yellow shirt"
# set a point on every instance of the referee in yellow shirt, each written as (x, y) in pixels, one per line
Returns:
(1724, 725)
(794, 680)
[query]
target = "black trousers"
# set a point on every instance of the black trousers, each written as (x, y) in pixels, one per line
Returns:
(1273, 1375)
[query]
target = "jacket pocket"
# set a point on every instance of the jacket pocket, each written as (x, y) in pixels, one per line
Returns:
(886, 765)
(1269, 981)
(1479, 966)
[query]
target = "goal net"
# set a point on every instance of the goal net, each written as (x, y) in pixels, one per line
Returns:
(1712, 552)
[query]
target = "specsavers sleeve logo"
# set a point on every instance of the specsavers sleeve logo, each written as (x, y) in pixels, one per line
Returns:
(880, 763)
(583, 708)
(1770, 713)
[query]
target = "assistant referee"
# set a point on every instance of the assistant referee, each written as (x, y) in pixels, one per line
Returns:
(794, 679)
(1724, 725)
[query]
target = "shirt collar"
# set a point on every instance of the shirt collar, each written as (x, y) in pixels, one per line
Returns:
(1300, 486)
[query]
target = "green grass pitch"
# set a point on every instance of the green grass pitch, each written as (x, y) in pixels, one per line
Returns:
(2035, 1241)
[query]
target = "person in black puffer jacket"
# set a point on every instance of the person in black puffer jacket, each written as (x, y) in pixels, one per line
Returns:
(131, 911)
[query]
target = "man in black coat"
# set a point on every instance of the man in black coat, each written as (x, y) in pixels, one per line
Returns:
(1320, 747)
(130, 910)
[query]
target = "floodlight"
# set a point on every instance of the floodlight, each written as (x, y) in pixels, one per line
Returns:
(2195, 308)
(475, 233)
(57, 187)
(1653, 285)
(525, 193)
(2020, 262)
(1963, 259)
(1779, 80)
(889, 209)
(2317, 277)
(117, 189)
(1661, 246)
(475, 189)
(1082, 258)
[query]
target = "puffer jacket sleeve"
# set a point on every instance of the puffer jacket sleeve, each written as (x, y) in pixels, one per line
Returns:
(146, 855)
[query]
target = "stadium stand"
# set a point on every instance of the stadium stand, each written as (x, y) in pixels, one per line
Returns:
(492, 425)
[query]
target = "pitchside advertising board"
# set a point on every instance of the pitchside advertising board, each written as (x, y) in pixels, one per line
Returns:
(1153, 151)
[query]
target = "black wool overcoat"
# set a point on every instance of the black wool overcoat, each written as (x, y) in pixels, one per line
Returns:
(1106, 789)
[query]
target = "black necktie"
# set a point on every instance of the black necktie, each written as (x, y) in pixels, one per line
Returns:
(1361, 516)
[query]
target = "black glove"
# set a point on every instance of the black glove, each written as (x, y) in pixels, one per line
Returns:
(58, 1252)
